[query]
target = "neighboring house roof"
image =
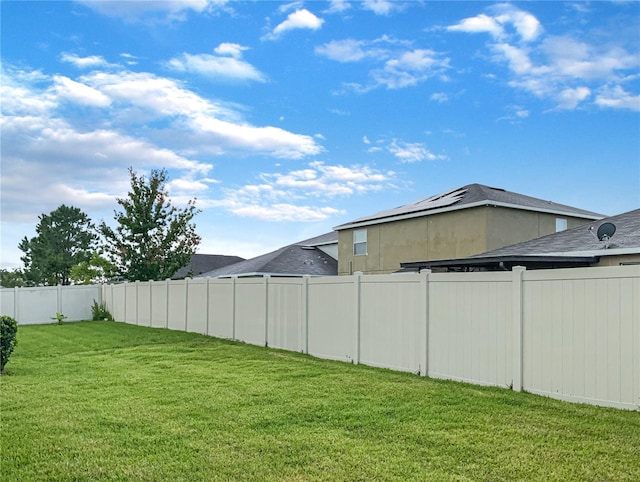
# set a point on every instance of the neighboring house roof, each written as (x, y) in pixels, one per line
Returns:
(298, 259)
(574, 247)
(471, 195)
(201, 263)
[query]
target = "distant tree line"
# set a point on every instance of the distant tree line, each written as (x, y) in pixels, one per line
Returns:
(151, 240)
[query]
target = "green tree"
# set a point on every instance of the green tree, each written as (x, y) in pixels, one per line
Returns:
(152, 239)
(11, 279)
(94, 271)
(64, 238)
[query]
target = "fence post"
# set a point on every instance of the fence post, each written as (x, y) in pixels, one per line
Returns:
(166, 308)
(425, 293)
(137, 302)
(125, 302)
(186, 304)
(150, 302)
(516, 290)
(266, 309)
(16, 301)
(233, 309)
(59, 299)
(207, 306)
(305, 313)
(357, 281)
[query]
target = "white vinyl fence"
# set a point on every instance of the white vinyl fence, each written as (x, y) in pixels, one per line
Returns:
(572, 334)
(39, 305)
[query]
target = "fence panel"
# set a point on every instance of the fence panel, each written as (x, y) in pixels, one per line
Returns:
(197, 306)
(76, 301)
(143, 292)
(470, 327)
(39, 305)
(221, 308)
(7, 305)
(177, 305)
(285, 317)
(131, 303)
(392, 322)
(116, 301)
(159, 303)
(331, 319)
(581, 335)
(251, 310)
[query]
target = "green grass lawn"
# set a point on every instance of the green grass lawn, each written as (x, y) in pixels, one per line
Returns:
(109, 401)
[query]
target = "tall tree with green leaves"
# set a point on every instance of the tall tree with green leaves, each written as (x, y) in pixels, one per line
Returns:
(64, 238)
(153, 238)
(96, 270)
(11, 279)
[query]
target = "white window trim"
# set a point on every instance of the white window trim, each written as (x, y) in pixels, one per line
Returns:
(358, 241)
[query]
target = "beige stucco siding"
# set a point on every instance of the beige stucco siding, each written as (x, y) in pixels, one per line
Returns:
(448, 235)
(445, 235)
(506, 226)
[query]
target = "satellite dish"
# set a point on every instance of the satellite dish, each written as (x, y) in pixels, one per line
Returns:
(605, 231)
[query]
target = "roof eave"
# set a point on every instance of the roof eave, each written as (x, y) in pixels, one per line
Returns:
(429, 212)
(496, 260)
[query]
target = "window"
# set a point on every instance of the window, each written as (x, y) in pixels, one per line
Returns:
(360, 242)
(561, 224)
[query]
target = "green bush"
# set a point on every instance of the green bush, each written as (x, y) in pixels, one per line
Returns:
(100, 312)
(8, 331)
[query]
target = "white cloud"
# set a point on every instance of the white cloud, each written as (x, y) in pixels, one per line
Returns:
(383, 7)
(570, 98)
(563, 69)
(84, 62)
(300, 19)
(348, 50)
(439, 97)
(410, 68)
(616, 97)
(338, 6)
(76, 92)
(142, 120)
(215, 67)
(399, 67)
(408, 152)
(478, 24)
(234, 50)
(280, 212)
(162, 11)
(572, 58)
(525, 24)
(314, 187)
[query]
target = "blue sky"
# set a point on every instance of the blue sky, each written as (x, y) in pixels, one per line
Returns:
(286, 119)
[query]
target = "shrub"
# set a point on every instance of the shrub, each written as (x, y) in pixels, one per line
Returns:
(60, 317)
(8, 331)
(100, 312)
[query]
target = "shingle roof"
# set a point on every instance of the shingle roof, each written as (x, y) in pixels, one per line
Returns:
(303, 257)
(579, 239)
(201, 263)
(469, 196)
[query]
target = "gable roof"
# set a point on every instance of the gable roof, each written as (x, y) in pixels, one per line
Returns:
(581, 240)
(201, 263)
(298, 259)
(469, 196)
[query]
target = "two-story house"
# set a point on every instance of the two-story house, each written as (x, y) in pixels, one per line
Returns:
(458, 223)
